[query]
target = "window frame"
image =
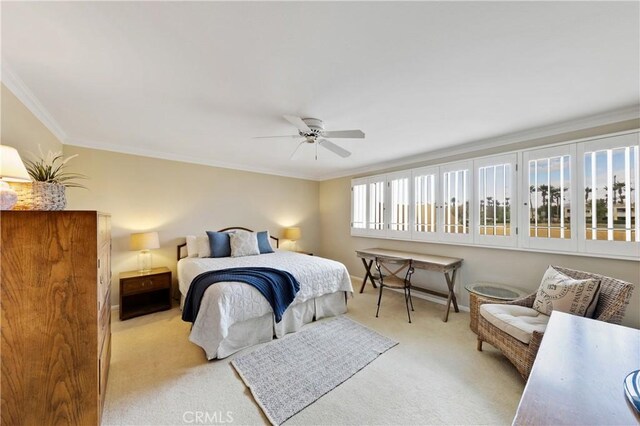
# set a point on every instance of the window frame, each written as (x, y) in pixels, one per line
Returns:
(453, 236)
(392, 233)
(552, 244)
(497, 240)
(373, 180)
(605, 246)
(354, 183)
(426, 171)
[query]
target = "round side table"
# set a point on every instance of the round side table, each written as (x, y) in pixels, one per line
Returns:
(489, 291)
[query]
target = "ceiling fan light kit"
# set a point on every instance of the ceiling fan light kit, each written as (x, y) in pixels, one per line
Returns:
(312, 131)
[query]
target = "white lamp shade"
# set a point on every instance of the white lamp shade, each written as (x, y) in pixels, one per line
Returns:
(12, 168)
(145, 241)
(292, 234)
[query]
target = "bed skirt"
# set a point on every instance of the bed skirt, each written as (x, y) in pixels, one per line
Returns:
(263, 329)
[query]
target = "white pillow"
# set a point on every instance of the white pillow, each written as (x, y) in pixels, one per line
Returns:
(204, 249)
(559, 292)
(244, 243)
(192, 246)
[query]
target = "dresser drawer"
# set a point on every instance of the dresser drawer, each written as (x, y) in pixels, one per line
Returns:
(143, 284)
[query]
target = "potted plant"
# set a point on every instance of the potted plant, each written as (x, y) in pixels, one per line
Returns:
(49, 182)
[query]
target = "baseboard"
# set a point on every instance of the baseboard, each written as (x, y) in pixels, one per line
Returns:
(115, 307)
(417, 294)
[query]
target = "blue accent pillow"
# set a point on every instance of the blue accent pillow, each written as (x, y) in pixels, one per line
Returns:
(220, 244)
(263, 242)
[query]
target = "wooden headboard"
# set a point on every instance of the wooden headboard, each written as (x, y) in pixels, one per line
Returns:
(180, 246)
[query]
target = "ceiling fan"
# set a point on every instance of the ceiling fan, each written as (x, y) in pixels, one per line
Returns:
(312, 130)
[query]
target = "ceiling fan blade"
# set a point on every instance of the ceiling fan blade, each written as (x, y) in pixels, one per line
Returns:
(298, 123)
(273, 137)
(293, 155)
(334, 148)
(352, 134)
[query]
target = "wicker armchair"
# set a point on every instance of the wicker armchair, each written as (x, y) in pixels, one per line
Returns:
(612, 303)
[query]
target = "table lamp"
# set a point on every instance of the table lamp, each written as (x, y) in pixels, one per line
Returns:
(12, 169)
(144, 242)
(292, 234)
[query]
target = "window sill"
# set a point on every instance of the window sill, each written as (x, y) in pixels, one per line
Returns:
(496, 247)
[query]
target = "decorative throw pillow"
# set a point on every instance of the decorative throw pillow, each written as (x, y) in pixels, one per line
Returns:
(263, 242)
(203, 246)
(559, 292)
(220, 243)
(192, 246)
(244, 243)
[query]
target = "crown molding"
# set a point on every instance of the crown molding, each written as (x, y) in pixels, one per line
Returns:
(584, 123)
(184, 158)
(26, 96)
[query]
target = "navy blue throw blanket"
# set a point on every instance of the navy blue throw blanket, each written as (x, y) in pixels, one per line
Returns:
(278, 287)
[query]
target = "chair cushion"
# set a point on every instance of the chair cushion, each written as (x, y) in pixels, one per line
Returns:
(517, 321)
(560, 292)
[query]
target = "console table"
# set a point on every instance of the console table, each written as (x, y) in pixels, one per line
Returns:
(577, 377)
(447, 265)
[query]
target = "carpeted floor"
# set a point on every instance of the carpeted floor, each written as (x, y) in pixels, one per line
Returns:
(434, 376)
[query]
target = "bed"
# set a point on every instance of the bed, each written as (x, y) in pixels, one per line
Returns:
(234, 315)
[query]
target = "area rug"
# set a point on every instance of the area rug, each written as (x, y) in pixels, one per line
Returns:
(289, 374)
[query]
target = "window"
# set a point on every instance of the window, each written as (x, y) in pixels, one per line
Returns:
(610, 194)
(399, 204)
(549, 203)
(368, 206)
(549, 191)
(359, 206)
(425, 185)
(610, 170)
(376, 205)
(573, 197)
(455, 201)
(496, 177)
(494, 200)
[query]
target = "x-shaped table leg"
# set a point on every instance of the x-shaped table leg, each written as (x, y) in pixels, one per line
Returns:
(367, 275)
(451, 282)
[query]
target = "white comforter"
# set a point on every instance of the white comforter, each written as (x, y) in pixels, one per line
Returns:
(227, 303)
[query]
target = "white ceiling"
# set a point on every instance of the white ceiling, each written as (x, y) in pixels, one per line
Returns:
(195, 81)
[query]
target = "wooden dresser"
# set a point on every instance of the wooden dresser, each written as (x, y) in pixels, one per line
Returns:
(56, 314)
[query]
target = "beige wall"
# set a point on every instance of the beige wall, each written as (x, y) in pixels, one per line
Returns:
(519, 268)
(178, 199)
(22, 130)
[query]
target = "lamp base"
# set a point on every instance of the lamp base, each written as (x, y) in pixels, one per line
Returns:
(144, 261)
(8, 197)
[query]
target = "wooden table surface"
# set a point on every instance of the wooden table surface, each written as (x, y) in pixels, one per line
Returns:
(418, 258)
(578, 374)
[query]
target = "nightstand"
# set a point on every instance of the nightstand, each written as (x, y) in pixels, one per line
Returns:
(144, 293)
(304, 252)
